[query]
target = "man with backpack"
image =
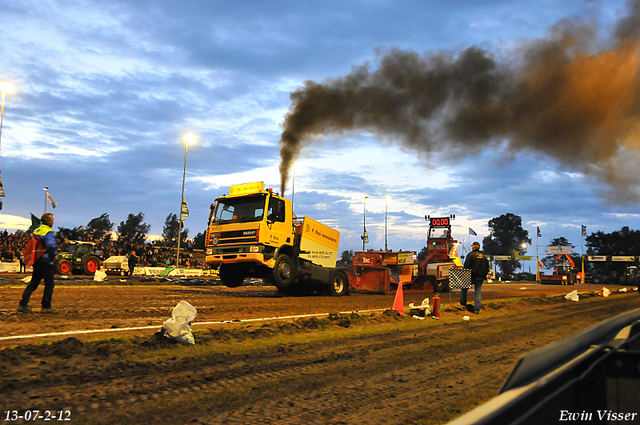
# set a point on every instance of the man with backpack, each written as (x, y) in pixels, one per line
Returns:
(43, 256)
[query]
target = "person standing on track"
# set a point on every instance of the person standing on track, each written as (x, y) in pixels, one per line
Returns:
(43, 267)
(133, 259)
(23, 266)
(479, 265)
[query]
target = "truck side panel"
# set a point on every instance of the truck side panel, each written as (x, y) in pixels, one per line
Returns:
(319, 243)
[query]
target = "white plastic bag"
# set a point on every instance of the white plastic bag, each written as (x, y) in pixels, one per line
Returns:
(178, 326)
(623, 289)
(99, 276)
(423, 309)
(184, 312)
(604, 292)
(186, 338)
(572, 296)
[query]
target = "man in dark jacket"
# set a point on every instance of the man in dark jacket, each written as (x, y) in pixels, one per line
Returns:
(132, 261)
(43, 268)
(479, 265)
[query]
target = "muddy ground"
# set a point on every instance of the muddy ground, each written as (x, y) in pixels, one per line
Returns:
(370, 367)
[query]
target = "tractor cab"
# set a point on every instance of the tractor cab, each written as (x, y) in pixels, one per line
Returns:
(631, 276)
(440, 243)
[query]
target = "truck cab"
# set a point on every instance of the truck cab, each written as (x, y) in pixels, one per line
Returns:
(249, 227)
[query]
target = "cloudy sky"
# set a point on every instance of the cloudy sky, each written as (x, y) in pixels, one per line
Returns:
(105, 91)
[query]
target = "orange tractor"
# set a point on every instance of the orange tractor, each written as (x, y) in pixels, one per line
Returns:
(382, 271)
(564, 272)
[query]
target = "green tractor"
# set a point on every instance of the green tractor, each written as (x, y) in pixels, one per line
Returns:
(77, 257)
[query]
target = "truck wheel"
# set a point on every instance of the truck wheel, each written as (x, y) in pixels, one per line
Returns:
(63, 267)
(339, 285)
(285, 271)
(90, 265)
(230, 276)
(442, 286)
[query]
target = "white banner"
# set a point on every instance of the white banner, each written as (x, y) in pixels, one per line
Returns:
(12, 267)
(502, 257)
(559, 249)
(597, 258)
(170, 271)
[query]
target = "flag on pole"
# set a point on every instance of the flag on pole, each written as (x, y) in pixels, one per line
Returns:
(539, 234)
(584, 230)
(35, 223)
(51, 201)
(185, 211)
(472, 232)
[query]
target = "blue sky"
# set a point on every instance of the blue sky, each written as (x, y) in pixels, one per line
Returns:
(105, 92)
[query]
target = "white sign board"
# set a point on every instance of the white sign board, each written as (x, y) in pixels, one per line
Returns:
(597, 258)
(502, 257)
(559, 250)
(621, 258)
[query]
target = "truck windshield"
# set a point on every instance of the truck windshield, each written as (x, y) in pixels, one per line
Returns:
(241, 209)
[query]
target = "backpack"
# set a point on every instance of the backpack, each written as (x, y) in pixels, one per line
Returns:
(33, 251)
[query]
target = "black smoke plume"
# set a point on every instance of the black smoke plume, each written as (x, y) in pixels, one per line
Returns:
(571, 96)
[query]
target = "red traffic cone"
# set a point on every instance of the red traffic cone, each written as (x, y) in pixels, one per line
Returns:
(398, 302)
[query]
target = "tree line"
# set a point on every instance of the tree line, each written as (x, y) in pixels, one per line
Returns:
(132, 231)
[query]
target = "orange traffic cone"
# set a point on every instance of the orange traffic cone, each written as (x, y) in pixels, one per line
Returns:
(398, 302)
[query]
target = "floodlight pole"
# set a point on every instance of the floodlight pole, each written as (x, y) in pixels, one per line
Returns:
(184, 173)
(386, 204)
(537, 258)
(46, 197)
(364, 226)
(4, 88)
(2, 118)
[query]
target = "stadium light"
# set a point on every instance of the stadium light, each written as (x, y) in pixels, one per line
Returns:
(188, 138)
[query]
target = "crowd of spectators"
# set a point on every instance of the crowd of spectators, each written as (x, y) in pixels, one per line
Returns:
(153, 254)
(12, 245)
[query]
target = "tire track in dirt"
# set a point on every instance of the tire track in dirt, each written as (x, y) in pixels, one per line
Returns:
(383, 378)
(394, 396)
(381, 397)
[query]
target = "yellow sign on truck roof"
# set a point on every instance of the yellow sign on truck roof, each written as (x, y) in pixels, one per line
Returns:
(246, 188)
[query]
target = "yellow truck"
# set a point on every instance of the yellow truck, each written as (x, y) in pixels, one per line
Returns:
(252, 232)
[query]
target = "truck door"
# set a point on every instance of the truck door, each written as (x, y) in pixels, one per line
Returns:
(280, 225)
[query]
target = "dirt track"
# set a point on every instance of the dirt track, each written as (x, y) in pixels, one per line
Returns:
(343, 368)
